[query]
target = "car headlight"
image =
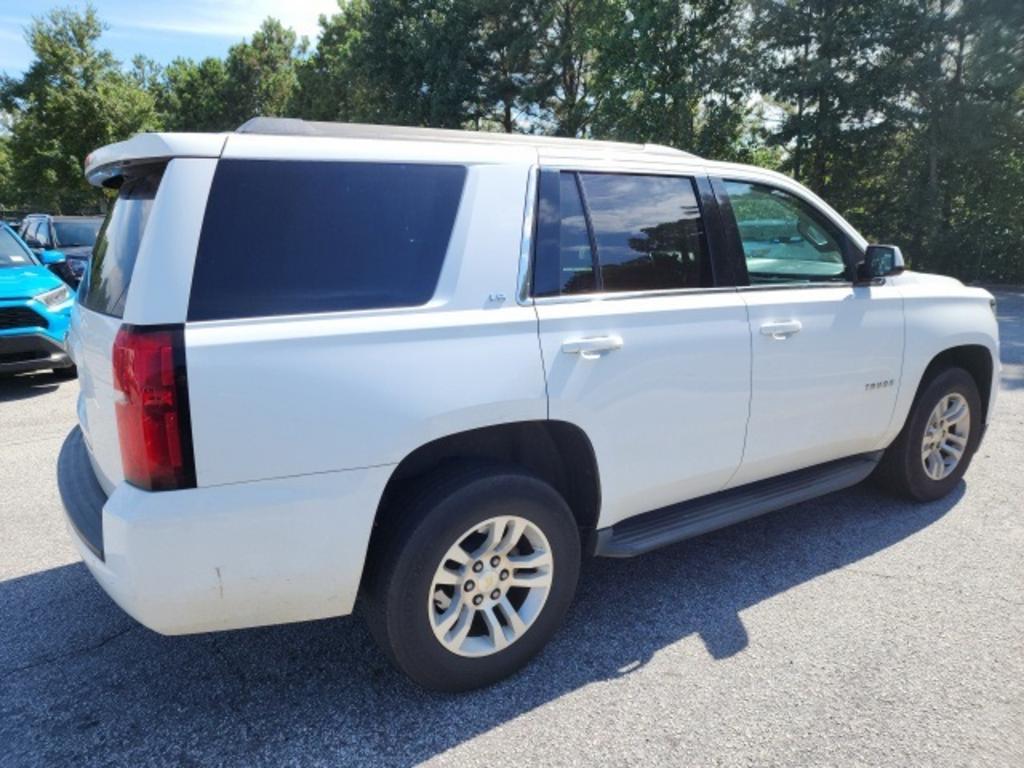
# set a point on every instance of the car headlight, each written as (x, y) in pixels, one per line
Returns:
(55, 297)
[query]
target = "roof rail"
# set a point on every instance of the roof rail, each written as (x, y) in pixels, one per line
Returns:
(291, 126)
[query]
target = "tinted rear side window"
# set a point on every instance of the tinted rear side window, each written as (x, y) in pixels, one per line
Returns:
(643, 233)
(565, 262)
(295, 237)
(105, 286)
(648, 232)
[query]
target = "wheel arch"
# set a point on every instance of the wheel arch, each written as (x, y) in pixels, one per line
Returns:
(976, 359)
(558, 452)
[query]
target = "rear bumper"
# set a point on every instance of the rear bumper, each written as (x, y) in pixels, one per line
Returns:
(24, 352)
(229, 556)
(81, 493)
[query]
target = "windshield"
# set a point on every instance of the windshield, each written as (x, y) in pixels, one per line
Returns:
(13, 252)
(72, 233)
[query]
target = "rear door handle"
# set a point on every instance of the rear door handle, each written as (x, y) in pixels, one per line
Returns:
(591, 348)
(783, 330)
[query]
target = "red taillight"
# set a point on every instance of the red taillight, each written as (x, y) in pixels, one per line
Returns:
(152, 409)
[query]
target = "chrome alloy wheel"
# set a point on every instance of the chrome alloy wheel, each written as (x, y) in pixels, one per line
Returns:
(945, 437)
(490, 587)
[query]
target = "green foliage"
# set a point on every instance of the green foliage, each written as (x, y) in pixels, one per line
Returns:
(906, 115)
(568, 56)
(145, 72)
(327, 86)
(674, 73)
(261, 73)
(73, 99)
(507, 58)
(192, 96)
(392, 61)
(10, 195)
(965, 148)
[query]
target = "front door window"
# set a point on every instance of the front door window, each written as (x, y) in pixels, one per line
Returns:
(784, 240)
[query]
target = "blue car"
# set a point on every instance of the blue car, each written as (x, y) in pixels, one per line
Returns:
(35, 309)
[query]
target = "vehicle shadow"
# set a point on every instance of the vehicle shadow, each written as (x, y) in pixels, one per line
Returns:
(26, 385)
(82, 684)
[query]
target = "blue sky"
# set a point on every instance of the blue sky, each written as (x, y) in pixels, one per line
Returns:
(161, 29)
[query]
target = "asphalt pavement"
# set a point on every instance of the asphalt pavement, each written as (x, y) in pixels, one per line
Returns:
(852, 630)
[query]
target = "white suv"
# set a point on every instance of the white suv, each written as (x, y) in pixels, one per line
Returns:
(431, 370)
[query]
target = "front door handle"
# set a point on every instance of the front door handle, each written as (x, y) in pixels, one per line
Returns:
(781, 331)
(592, 348)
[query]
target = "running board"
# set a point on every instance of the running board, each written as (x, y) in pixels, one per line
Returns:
(668, 525)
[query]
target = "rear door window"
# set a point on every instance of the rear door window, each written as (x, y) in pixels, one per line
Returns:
(643, 233)
(647, 230)
(564, 236)
(105, 285)
(297, 237)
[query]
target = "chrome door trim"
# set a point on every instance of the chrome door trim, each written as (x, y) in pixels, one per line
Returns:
(578, 298)
(795, 286)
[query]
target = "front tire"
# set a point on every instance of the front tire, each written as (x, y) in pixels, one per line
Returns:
(473, 576)
(935, 447)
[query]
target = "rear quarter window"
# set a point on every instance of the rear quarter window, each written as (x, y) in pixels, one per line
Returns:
(298, 237)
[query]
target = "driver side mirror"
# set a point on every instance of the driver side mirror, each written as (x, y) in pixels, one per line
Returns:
(50, 258)
(880, 261)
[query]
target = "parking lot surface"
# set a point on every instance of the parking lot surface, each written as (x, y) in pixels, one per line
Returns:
(853, 630)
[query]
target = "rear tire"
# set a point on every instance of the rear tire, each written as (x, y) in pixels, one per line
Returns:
(447, 624)
(946, 418)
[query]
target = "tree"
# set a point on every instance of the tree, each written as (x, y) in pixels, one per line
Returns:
(416, 62)
(832, 68)
(73, 98)
(674, 73)
(146, 72)
(259, 77)
(390, 61)
(9, 192)
(261, 73)
(328, 85)
(963, 170)
(454, 64)
(907, 115)
(565, 92)
(508, 63)
(192, 96)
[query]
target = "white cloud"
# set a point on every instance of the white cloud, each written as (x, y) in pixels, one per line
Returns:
(229, 18)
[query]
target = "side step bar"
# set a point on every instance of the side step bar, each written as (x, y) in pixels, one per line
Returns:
(669, 525)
